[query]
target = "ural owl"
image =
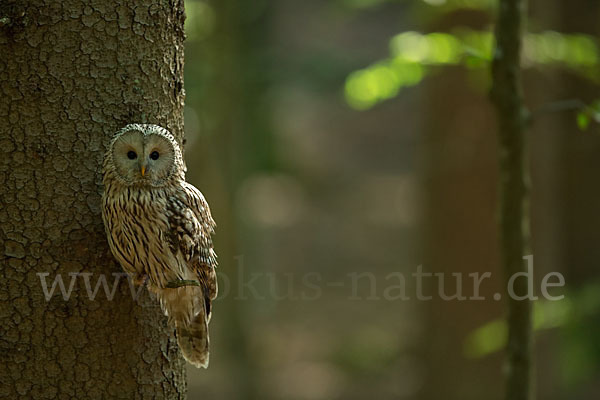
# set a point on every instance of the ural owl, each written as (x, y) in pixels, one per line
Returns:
(159, 228)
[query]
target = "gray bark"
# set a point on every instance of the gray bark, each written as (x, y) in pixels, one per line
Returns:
(71, 74)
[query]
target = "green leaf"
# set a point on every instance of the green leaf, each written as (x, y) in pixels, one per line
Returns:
(583, 121)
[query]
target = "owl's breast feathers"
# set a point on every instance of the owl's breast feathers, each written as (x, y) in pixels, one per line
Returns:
(136, 225)
(164, 233)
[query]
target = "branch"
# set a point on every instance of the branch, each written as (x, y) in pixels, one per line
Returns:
(559, 106)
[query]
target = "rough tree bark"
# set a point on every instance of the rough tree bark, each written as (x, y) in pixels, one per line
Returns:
(507, 95)
(71, 74)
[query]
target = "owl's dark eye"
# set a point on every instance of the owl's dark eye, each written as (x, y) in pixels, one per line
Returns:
(131, 155)
(154, 155)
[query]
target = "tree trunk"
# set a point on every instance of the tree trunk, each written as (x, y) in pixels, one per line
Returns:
(70, 75)
(507, 95)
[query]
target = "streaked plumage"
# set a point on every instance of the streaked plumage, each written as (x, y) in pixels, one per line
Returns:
(159, 227)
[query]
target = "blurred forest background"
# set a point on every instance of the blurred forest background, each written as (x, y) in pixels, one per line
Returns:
(348, 136)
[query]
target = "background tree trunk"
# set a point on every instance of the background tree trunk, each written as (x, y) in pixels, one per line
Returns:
(70, 75)
(507, 96)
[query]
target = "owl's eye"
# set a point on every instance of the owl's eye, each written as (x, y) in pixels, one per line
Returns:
(154, 155)
(131, 155)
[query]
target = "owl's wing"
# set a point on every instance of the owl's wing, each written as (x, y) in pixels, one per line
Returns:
(191, 229)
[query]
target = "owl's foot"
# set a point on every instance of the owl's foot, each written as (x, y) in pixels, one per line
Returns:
(181, 283)
(139, 279)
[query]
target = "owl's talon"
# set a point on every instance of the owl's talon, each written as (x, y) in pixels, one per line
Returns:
(139, 279)
(181, 283)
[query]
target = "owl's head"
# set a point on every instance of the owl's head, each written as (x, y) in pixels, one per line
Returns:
(144, 155)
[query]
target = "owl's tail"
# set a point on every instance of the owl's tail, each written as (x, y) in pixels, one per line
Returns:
(193, 341)
(188, 311)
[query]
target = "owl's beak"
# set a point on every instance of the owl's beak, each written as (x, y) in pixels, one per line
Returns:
(143, 170)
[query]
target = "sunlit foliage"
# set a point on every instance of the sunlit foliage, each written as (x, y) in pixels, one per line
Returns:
(412, 55)
(573, 315)
(492, 336)
(588, 114)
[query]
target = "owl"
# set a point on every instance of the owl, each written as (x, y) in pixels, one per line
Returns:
(159, 229)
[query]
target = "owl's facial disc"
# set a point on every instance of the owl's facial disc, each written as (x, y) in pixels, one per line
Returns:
(143, 159)
(159, 158)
